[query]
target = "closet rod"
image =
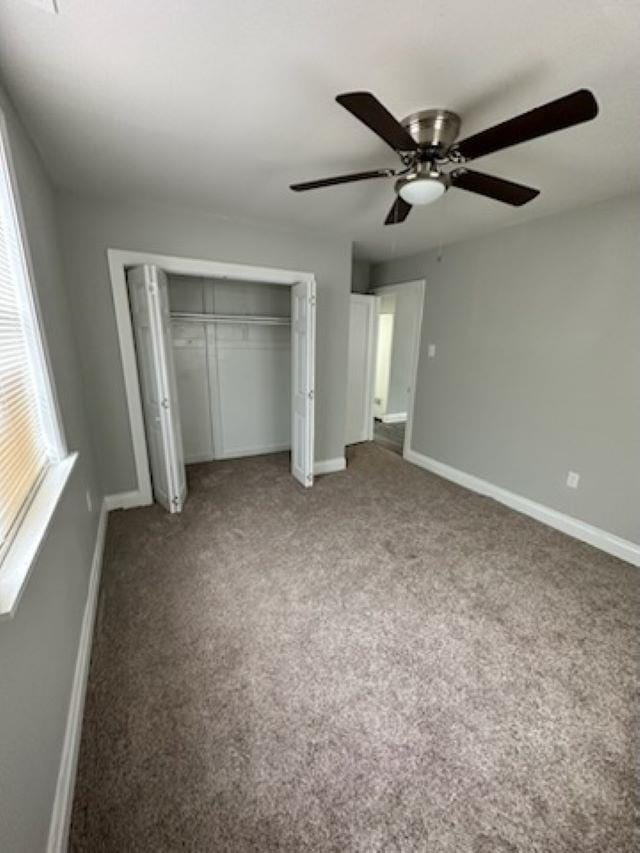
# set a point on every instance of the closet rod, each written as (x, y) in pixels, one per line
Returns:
(183, 317)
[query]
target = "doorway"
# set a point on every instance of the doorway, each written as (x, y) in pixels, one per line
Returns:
(384, 337)
(157, 384)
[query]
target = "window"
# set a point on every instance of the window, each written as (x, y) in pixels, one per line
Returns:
(31, 443)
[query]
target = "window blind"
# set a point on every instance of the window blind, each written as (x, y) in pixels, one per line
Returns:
(25, 446)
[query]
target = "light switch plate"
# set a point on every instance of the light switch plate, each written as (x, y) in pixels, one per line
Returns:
(431, 351)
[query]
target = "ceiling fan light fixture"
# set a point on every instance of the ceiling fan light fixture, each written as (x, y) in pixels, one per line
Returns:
(420, 188)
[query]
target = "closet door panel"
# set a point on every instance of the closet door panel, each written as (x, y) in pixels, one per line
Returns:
(190, 359)
(251, 388)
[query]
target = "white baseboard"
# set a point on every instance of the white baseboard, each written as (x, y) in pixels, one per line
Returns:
(394, 418)
(605, 541)
(198, 458)
(330, 466)
(125, 500)
(263, 450)
(63, 800)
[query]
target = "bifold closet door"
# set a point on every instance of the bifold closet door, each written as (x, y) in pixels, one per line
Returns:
(303, 348)
(149, 301)
(250, 381)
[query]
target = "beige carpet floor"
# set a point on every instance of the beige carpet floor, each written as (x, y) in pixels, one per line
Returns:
(385, 662)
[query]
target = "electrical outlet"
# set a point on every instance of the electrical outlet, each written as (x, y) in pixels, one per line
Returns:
(573, 478)
(89, 501)
(431, 351)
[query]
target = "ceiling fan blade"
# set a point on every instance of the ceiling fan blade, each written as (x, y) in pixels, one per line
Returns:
(400, 209)
(367, 108)
(565, 112)
(342, 179)
(496, 188)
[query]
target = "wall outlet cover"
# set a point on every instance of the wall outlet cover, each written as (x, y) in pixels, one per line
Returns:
(573, 478)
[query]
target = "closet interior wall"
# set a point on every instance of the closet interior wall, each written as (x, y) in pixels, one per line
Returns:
(233, 376)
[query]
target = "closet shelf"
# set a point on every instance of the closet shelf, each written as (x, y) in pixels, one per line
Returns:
(183, 317)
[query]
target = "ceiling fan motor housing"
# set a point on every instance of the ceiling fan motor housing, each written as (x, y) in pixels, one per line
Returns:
(434, 130)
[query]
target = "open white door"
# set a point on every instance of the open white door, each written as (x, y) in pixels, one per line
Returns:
(360, 369)
(149, 298)
(303, 333)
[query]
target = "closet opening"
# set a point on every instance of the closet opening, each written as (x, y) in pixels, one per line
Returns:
(221, 365)
(232, 354)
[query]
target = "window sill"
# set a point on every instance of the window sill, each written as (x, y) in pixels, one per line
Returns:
(23, 551)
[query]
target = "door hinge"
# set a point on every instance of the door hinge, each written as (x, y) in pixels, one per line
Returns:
(165, 403)
(312, 300)
(311, 394)
(309, 478)
(175, 501)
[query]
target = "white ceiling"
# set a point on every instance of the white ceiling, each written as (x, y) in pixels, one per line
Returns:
(223, 104)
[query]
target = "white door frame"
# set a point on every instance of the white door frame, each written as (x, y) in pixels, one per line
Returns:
(391, 288)
(119, 260)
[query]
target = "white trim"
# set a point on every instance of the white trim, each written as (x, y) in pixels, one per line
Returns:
(394, 418)
(198, 458)
(25, 546)
(251, 451)
(118, 261)
(330, 466)
(63, 799)
(126, 500)
(609, 542)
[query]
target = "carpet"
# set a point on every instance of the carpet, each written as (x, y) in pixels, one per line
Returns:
(280, 669)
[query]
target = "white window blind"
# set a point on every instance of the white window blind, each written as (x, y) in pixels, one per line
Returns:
(29, 436)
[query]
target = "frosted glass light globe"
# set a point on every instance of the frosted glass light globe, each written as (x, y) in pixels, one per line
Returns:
(421, 190)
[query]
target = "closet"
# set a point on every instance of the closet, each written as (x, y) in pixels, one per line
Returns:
(232, 356)
(223, 366)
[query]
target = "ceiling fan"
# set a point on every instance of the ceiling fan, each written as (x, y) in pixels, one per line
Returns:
(426, 142)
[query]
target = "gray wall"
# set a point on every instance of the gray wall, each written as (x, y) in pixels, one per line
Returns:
(89, 228)
(38, 646)
(360, 271)
(537, 368)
